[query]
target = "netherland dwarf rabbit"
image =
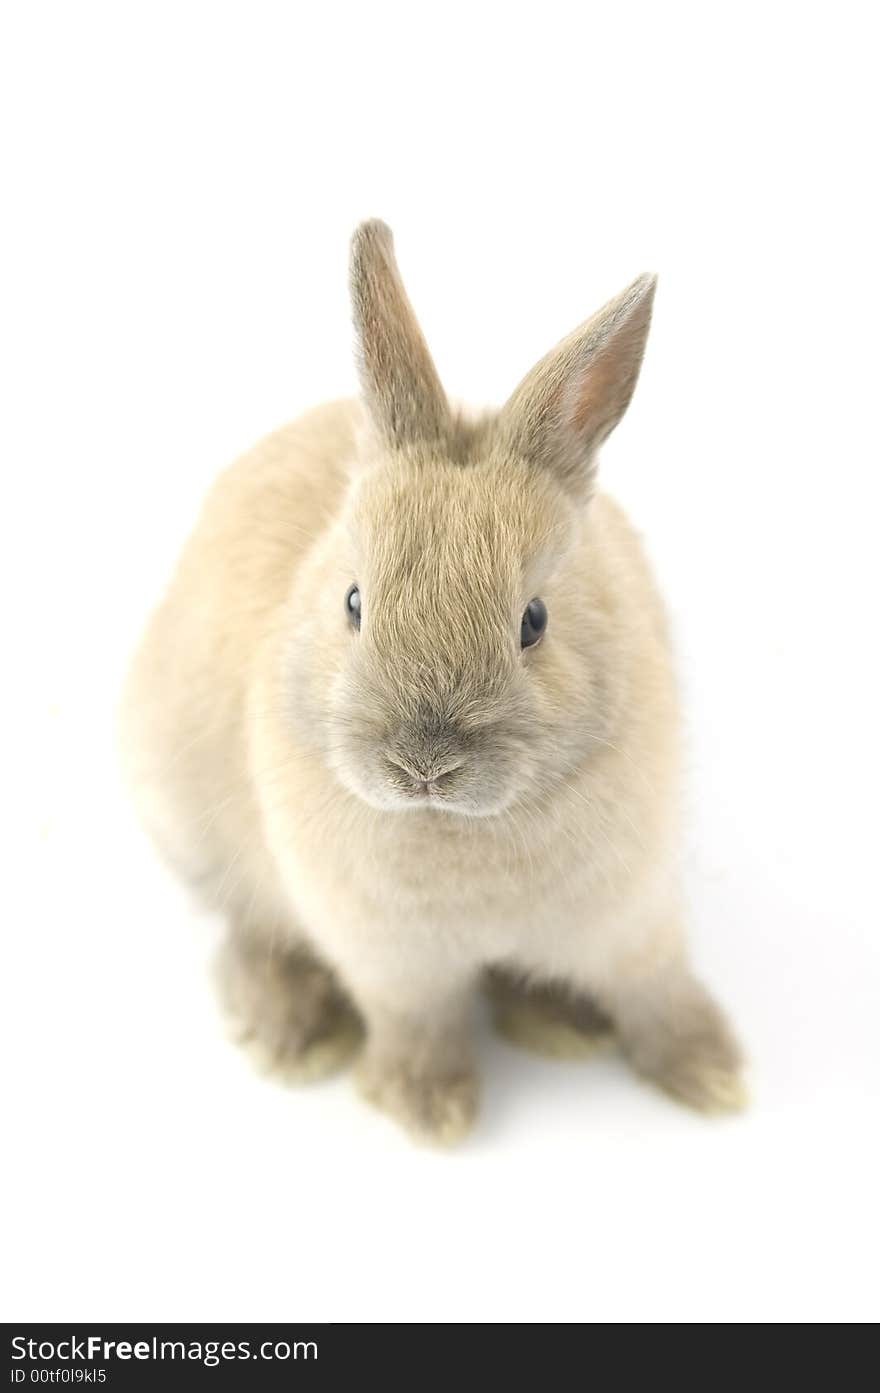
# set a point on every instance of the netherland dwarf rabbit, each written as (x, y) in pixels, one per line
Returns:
(406, 716)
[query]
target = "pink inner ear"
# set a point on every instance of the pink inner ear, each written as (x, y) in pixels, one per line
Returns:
(591, 391)
(574, 397)
(604, 386)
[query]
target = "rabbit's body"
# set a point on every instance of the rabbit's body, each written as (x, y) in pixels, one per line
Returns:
(410, 806)
(185, 738)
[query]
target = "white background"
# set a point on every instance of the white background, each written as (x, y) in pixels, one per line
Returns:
(179, 185)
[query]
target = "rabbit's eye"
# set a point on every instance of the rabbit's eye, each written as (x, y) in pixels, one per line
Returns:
(353, 605)
(534, 622)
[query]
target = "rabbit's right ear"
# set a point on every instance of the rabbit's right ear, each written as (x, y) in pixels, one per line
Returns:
(566, 406)
(403, 393)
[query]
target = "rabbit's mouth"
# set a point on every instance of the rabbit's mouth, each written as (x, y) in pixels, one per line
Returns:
(467, 787)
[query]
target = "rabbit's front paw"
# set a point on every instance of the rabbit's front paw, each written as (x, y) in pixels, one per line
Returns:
(287, 1010)
(436, 1108)
(690, 1053)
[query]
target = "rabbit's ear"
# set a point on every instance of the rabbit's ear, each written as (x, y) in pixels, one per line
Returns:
(398, 378)
(566, 406)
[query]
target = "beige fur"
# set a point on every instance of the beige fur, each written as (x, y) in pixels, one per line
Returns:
(394, 811)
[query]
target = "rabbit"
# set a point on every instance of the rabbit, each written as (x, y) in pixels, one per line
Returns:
(407, 718)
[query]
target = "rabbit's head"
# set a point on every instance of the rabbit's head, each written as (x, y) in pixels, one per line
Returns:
(446, 660)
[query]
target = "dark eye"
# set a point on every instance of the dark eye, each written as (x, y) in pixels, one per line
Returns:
(353, 605)
(534, 622)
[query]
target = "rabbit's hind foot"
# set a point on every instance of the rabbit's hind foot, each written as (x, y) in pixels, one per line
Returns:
(546, 1018)
(286, 1009)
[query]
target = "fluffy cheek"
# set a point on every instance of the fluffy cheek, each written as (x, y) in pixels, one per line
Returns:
(352, 743)
(361, 774)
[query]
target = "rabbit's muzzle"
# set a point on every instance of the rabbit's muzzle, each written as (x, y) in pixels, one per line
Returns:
(429, 756)
(424, 778)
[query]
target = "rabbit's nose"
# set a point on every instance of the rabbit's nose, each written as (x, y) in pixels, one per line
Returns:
(424, 776)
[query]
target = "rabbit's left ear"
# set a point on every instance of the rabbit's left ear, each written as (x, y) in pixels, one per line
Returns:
(567, 405)
(403, 393)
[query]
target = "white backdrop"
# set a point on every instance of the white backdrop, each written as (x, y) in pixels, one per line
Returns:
(179, 185)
